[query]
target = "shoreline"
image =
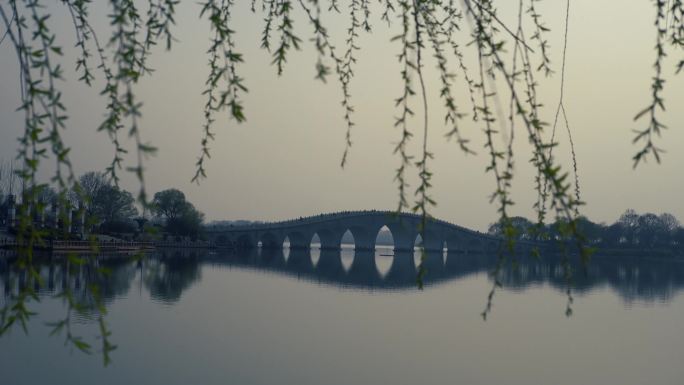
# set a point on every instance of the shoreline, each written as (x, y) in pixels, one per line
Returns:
(66, 246)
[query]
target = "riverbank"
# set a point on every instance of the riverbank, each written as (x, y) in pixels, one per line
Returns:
(103, 244)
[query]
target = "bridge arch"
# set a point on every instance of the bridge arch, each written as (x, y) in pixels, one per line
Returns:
(348, 238)
(384, 238)
(315, 241)
(418, 242)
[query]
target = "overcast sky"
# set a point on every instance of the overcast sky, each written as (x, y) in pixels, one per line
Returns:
(284, 161)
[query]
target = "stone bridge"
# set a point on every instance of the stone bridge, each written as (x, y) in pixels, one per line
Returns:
(364, 226)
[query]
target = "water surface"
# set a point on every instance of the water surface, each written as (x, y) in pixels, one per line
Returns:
(320, 317)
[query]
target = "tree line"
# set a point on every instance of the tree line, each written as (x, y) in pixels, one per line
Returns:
(631, 231)
(105, 208)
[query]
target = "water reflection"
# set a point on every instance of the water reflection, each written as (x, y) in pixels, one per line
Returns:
(166, 275)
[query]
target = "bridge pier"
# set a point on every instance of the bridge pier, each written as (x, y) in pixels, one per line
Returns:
(432, 242)
(299, 240)
(331, 239)
(364, 237)
(404, 236)
(271, 240)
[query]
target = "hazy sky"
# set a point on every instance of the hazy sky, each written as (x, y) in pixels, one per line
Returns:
(284, 161)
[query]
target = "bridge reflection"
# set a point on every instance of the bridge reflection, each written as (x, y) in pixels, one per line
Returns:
(167, 275)
(363, 272)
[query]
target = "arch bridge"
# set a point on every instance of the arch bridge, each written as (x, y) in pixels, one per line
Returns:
(364, 226)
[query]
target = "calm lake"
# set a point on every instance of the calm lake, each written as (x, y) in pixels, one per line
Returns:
(321, 317)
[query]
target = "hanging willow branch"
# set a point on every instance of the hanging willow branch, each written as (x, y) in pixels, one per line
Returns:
(424, 26)
(675, 32)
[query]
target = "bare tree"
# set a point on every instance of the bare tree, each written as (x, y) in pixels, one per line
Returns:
(88, 189)
(8, 178)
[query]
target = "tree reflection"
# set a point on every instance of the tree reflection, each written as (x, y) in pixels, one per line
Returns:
(170, 273)
(167, 275)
